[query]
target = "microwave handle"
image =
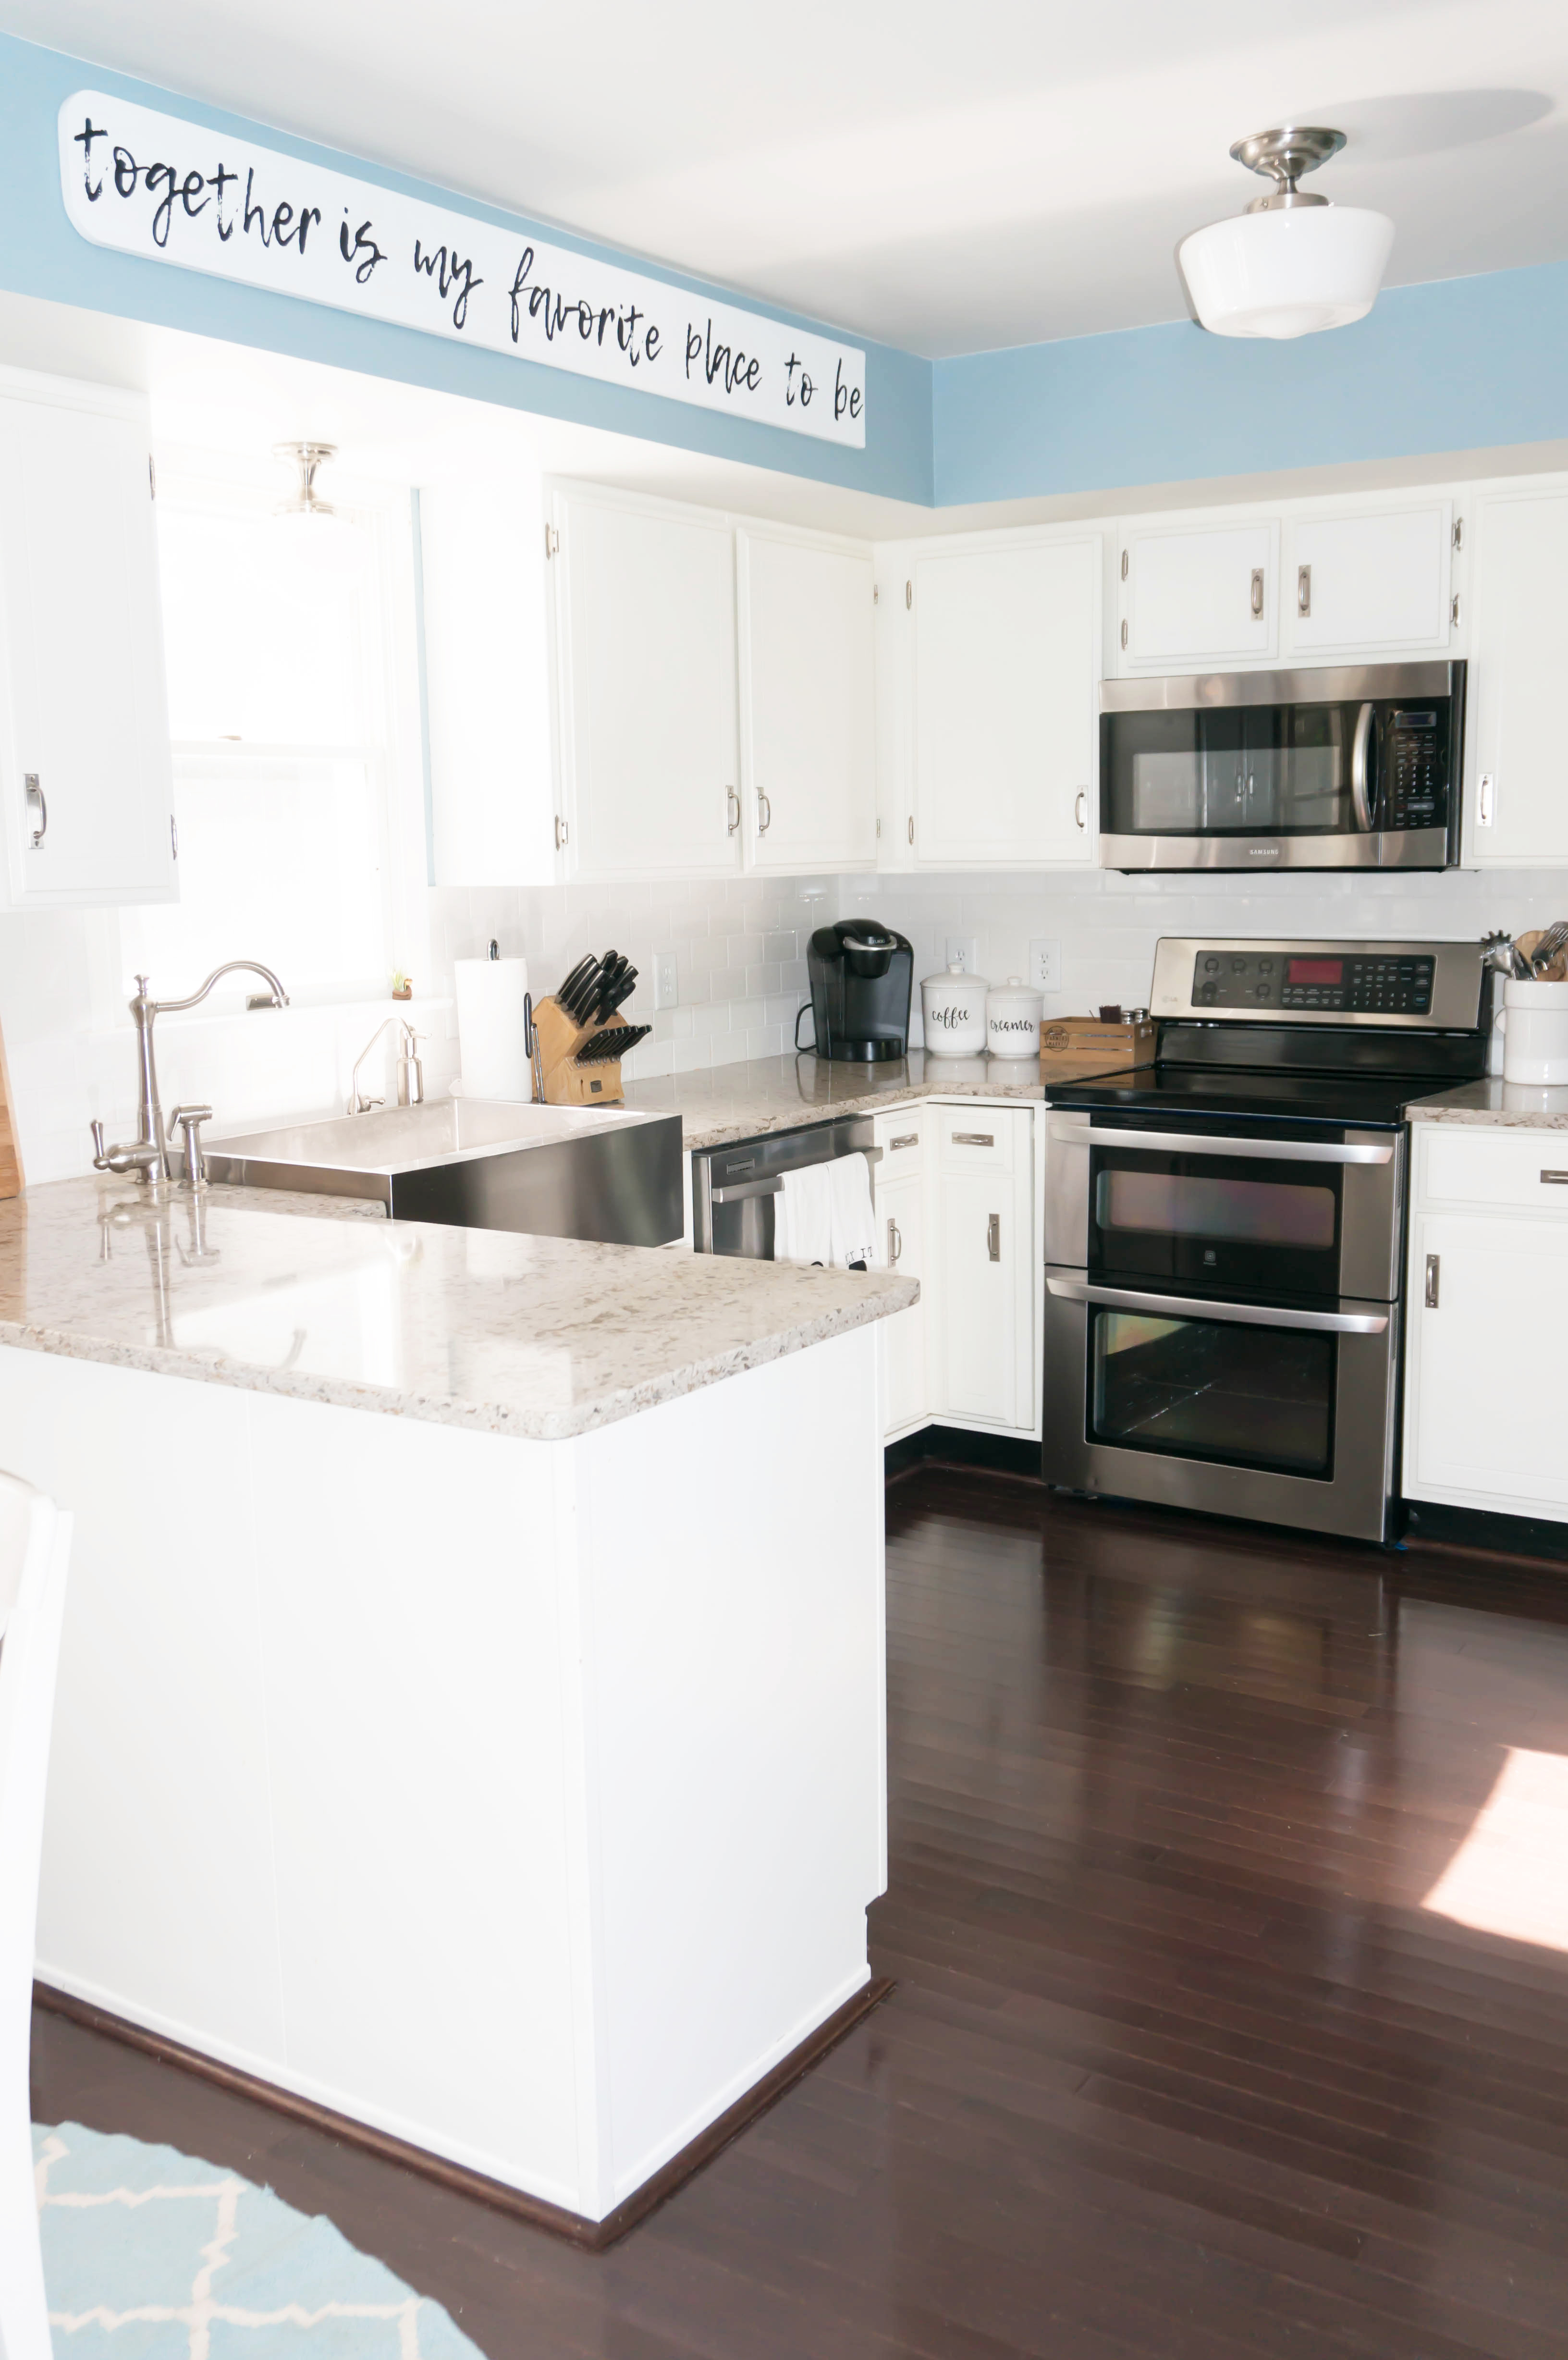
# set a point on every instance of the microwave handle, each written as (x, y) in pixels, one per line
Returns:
(1360, 793)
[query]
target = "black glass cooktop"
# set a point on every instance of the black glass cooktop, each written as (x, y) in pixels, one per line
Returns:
(1364, 1099)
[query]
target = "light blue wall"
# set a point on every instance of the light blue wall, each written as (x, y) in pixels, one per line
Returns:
(41, 254)
(1460, 364)
(1466, 363)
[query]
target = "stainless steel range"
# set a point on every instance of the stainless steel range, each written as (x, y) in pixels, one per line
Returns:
(1224, 1230)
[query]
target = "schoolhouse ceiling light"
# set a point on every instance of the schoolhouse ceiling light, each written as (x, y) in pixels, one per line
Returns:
(1292, 263)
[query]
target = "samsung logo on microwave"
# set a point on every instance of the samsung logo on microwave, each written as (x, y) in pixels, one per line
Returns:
(1263, 852)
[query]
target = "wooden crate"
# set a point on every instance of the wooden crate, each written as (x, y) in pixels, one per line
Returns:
(1085, 1043)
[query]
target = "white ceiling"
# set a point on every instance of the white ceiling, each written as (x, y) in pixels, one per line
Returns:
(948, 177)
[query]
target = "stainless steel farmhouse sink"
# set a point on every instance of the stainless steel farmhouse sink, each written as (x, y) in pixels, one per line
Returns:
(599, 1173)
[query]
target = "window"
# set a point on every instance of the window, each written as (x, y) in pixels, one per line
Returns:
(275, 638)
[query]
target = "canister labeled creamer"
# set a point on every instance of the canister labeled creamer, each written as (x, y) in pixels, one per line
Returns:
(1012, 1019)
(952, 1008)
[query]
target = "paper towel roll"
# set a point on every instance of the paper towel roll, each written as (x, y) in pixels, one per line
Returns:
(491, 1040)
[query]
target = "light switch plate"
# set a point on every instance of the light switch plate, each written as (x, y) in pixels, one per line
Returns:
(1045, 964)
(665, 986)
(963, 950)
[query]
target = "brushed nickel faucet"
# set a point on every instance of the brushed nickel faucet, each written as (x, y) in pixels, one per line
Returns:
(411, 1068)
(147, 1154)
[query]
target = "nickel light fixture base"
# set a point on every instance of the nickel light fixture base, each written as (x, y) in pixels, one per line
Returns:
(1293, 262)
(308, 457)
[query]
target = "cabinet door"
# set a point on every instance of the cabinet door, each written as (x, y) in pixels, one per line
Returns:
(645, 643)
(978, 1246)
(900, 1238)
(1201, 596)
(1516, 804)
(1007, 680)
(1471, 1426)
(808, 705)
(1370, 585)
(82, 634)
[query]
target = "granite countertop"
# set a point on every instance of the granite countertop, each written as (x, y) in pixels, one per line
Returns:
(1509, 1106)
(730, 1102)
(543, 1337)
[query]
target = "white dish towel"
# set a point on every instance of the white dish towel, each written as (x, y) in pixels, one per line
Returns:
(853, 1220)
(802, 1216)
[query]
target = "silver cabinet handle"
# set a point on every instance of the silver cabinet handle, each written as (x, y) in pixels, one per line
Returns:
(35, 802)
(732, 806)
(1551, 1179)
(1303, 589)
(1124, 634)
(912, 1138)
(994, 1236)
(1239, 1315)
(911, 828)
(764, 812)
(895, 1239)
(1182, 1142)
(1434, 1270)
(1258, 590)
(562, 832)
(1359, 795)
(1080, 807)
(1487, 812)
(973, 1138)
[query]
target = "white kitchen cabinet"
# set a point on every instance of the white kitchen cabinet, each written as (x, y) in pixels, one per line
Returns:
(1198, 594)
(807, 704)
(1373, 585)
(981, 1329)
(1517, 799)
(1006, 641)
(85, 764)
(900, 1193)
(1488, 1264)
(644, 628)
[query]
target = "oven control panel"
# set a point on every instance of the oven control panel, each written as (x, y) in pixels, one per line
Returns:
(1310, 979)
(1431, 984)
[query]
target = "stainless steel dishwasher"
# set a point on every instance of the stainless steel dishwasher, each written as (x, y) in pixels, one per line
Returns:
(734, 1188)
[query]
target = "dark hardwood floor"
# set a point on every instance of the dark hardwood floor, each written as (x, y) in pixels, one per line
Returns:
(1179, 2062)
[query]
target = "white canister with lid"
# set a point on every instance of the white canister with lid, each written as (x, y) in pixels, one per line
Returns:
(1535, 1032)
(952, 1009)
(1012, 1019)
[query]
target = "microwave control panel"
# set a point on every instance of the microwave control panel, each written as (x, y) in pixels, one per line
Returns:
(1418, 781)
(1437, 985)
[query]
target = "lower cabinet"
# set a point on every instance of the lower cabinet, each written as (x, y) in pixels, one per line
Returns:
(955, 1192)
(1489, 1272)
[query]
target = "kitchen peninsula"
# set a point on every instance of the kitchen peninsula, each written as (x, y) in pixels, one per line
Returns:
(485, 1634)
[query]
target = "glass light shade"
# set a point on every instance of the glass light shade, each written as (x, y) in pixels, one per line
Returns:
(1287, 273)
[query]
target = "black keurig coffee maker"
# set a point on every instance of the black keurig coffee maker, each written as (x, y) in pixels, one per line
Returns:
(862, 977)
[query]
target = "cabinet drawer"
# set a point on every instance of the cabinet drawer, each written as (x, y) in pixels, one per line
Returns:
(982, 1139)
(1527, 1170)
(902, 1138)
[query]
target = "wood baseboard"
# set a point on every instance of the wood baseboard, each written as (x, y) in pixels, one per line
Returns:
(591, 2237)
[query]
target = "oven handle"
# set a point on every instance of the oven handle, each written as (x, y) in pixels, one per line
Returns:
(1183, 1143)
(1242, 1315)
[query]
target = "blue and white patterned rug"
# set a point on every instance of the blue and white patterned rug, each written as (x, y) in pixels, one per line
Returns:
(151, 2256)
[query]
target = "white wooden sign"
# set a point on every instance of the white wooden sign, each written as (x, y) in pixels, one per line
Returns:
(170, 191)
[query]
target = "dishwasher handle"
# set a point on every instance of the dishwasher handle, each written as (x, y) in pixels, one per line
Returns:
(772, 1183)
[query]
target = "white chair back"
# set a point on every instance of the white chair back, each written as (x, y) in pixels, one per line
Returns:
(34, 1545)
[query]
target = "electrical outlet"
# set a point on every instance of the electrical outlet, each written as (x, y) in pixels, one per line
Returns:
(963, 950)
(665, 989)
(1045, 964)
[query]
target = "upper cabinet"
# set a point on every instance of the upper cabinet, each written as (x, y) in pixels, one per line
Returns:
(1005, 654)
(1370, 586)
(1516, 803)
(645, 622)
(1198, 597)
(86, 767)
(806, 703)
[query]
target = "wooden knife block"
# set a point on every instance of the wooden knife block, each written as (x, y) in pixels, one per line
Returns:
(564, 1082)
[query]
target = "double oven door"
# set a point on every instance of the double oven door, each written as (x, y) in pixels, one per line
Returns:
(1221, 1316)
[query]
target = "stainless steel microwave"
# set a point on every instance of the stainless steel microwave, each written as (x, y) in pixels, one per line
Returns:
(1346, 767)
